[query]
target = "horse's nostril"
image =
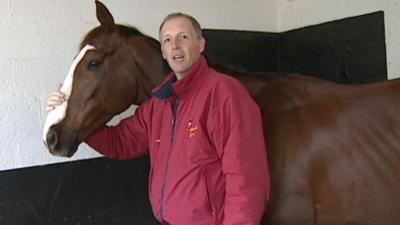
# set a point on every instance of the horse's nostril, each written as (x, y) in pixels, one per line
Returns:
(52, 139)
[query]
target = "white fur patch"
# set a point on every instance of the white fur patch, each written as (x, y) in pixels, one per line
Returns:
(57, 114)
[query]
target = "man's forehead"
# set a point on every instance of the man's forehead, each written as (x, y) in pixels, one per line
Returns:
(177, 25)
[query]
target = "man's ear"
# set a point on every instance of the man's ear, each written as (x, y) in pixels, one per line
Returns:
(202, 44)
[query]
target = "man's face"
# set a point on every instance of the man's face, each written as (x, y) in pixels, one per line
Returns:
(179, 45)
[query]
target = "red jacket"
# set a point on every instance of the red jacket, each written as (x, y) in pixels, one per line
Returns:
(207, 152)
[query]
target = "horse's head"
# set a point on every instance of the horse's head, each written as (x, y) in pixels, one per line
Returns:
(117, 66)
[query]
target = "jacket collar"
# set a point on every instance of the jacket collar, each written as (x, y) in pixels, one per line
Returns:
(183, 87)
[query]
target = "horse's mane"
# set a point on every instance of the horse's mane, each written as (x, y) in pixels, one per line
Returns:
(123, 30)
(239, 72)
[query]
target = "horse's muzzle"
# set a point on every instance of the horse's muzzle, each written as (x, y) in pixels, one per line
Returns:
(52, 140)
(58, 146)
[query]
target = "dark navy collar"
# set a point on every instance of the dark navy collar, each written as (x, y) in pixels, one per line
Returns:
(190, 83)
(165, 91)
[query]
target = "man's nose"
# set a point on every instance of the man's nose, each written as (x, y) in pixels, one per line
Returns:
(175, 43)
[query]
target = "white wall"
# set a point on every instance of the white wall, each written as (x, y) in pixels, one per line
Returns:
(38, 40)
(298, 13)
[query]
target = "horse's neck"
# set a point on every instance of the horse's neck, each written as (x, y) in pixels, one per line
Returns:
(153, 70)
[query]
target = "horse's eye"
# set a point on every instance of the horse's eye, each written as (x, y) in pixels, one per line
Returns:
(94, 64)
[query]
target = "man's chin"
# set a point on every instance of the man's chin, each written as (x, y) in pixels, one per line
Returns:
(180, 72)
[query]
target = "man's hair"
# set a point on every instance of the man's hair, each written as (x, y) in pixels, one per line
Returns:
(195, 24)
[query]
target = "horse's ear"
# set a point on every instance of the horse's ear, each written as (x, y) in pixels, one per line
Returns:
(104, 17)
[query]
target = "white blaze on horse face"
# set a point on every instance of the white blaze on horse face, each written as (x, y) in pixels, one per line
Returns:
(57, 114)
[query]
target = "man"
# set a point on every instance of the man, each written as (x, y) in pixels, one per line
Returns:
(204, 136)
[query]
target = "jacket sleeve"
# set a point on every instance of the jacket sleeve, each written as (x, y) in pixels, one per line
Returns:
(239, 140)
(126, 140)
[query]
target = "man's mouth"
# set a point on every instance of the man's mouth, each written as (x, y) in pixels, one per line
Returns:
(177, 57)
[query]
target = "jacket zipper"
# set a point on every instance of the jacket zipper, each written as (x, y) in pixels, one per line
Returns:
(174, 110)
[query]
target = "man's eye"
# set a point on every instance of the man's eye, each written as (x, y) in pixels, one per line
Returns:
(94, 64)
(167, 40)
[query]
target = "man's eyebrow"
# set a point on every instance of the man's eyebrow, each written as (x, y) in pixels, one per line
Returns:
(169, 35)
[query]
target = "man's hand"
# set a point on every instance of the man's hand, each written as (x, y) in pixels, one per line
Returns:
(56, 98)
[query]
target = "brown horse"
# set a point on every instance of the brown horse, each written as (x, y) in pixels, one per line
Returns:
(334, 150)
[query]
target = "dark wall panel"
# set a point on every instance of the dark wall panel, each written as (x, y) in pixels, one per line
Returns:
(96, 191)
(254, 51)
(351, 50)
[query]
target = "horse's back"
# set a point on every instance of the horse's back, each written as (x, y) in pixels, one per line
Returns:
(333, 150)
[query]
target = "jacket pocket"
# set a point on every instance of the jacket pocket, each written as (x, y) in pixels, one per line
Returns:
(206, 194)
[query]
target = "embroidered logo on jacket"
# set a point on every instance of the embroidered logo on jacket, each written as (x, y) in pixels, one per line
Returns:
(191, 129)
